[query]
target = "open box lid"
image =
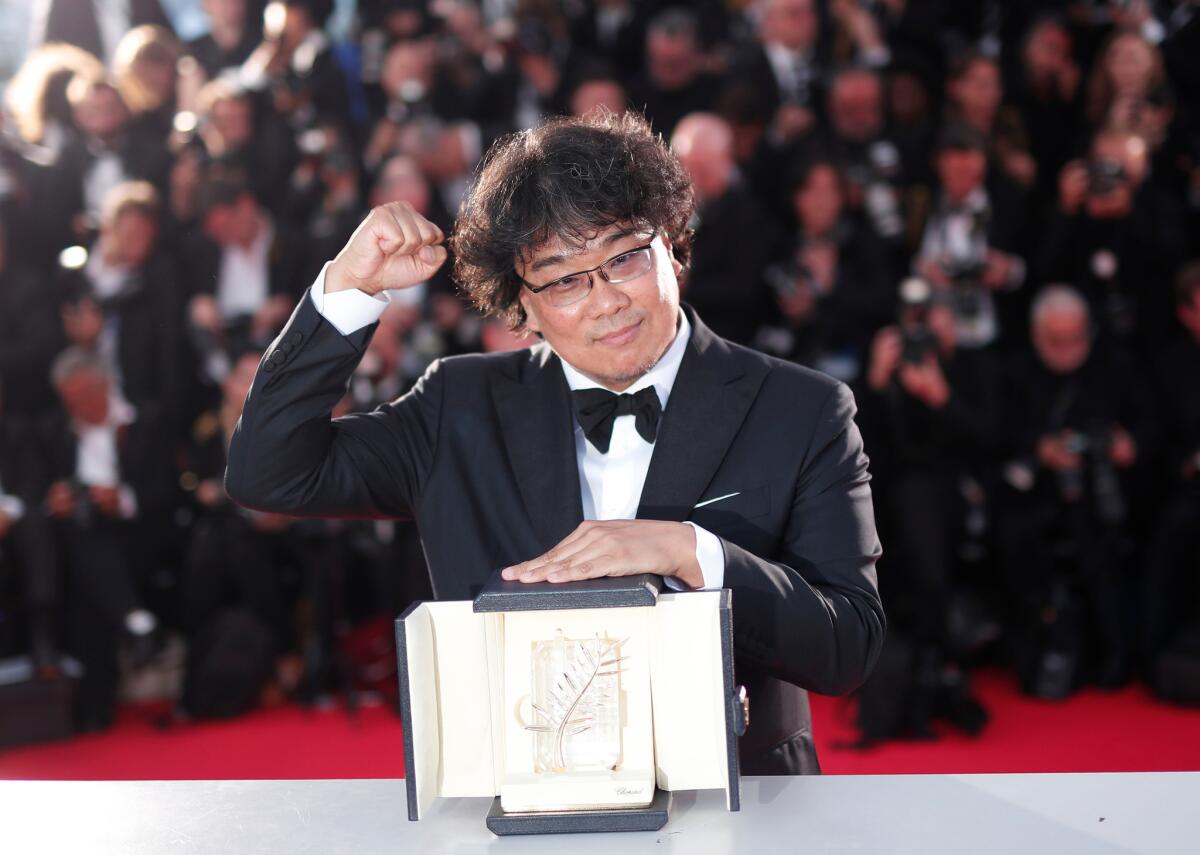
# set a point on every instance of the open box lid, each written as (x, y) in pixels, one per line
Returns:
(448, 654)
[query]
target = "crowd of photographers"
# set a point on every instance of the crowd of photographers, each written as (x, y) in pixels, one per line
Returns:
(979, 214)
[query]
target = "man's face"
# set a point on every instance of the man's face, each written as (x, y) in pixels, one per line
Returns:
(598, 93)
(101, 114)
(818, 201)
(227, 225)
(856, 107)
(791, 23)
(618, 332)
(961, 172)
(233, 119)
(706, 155)
(1048, 50)
(672, 60)
(134, 234)
(978, 90)
(1062, 341)
(401, 180)
(85, 396)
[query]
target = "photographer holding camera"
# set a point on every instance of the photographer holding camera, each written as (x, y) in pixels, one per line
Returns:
(930, 407)
(831, 277)
(969, 239)
(1118, 236)
(104, 475)
(1080, 427)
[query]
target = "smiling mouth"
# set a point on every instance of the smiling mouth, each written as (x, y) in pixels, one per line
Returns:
(621, 336)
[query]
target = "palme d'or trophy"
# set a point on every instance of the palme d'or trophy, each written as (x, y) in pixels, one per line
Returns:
(577, 707)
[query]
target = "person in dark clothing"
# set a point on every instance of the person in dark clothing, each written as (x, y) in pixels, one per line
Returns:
(1046, 93)
(231, 38)
(674, 82)
(1171, 601)
(236, 558)
(30, 336)
(725, 277)
(295, 63)
(247, 272)
(108, 149)
(876, 168)
(1118, 237)
(126, 302)
(831, 277)
(1078, 424)
(244, 133)
(970, 239)
(931, 410)
(28, 569)
(104, 470)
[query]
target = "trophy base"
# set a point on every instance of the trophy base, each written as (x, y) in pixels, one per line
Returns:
(650, 818)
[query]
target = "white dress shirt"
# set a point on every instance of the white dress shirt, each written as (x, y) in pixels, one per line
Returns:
(244, 279)
(610, 484)
(97, 457)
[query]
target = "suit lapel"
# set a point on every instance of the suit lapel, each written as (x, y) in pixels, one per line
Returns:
(539, 434)
(712, 393)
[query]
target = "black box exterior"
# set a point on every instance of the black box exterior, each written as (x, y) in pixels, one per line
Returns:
(607, 592)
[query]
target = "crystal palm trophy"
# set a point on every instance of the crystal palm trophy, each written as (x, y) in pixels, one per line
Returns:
(576, 703)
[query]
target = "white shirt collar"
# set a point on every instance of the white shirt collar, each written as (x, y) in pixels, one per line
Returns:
(661, 376)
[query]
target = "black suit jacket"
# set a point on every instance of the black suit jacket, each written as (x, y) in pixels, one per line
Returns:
(481, 453)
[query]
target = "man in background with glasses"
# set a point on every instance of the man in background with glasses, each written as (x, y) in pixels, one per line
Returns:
(630, 440)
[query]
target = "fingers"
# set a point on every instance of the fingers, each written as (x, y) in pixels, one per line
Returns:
(610, 548)
(565, 548)
(402, 231)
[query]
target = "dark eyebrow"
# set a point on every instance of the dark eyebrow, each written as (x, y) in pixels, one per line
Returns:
(551, 260)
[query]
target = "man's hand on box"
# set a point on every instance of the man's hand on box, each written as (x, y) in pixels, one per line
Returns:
(617, 548)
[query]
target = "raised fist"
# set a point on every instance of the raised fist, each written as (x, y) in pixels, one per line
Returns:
(393, 248)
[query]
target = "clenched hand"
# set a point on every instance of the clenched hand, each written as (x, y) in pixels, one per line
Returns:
(393, 248)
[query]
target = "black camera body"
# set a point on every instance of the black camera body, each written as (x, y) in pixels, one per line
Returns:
(1104, 176)
(966, 287)
(1108, 499)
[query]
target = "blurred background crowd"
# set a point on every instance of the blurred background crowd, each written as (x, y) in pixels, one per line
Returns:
(982, 215)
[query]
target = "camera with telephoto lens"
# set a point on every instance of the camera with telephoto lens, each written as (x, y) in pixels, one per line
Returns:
(966, 286)
(788, 279)
(917, 339)
(1104, 176)
(83, 509)
(1094, 444)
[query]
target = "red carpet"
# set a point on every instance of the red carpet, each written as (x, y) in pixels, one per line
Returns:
(1092, 732)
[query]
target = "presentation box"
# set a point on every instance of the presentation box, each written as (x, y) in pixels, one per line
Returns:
(578, 706)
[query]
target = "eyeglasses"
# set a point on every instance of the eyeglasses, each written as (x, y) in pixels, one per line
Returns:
(567, 290)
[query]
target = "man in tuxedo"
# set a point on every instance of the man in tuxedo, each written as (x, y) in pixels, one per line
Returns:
(715, 467)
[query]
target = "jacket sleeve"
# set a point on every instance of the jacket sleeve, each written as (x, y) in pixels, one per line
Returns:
(814, 617)
(288, 456)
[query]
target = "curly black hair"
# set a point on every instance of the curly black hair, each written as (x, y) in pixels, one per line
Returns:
(568, 179)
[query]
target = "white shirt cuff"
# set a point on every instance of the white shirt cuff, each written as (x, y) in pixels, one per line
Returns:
(350, 310)
(711, 558)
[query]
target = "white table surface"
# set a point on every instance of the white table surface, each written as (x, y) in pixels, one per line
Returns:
(1085, 813)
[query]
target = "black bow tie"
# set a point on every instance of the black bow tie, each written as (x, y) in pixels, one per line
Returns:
(597, 409)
